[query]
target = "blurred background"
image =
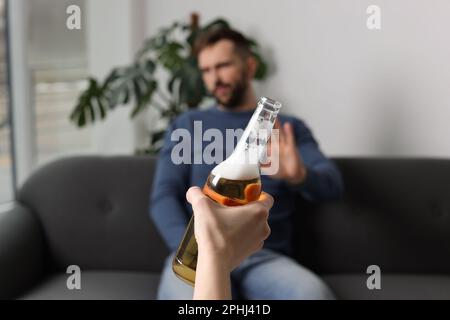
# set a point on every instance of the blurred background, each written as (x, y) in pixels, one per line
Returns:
(364, 93)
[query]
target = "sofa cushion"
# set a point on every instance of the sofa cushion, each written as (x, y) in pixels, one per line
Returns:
(393, 287)
(102, 285)
(98, 285)
(395, 214)
(94, 213)
(22, 252)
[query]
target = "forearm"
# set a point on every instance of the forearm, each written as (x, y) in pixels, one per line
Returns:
(167, 201)
(212, 280)
(170, 217)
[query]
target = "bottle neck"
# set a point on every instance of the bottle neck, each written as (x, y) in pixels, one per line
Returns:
(257, 133)
(243, 163)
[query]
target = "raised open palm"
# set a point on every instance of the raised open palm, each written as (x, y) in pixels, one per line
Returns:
(291, 167)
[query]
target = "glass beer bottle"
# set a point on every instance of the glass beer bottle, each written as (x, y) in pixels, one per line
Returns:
(233, 182)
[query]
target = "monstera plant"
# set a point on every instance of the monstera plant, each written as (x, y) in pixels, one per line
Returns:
(138, 84)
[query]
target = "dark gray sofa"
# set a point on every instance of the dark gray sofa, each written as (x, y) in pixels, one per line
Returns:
(93, 212)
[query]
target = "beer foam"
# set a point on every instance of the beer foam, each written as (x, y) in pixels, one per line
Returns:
(236, 167)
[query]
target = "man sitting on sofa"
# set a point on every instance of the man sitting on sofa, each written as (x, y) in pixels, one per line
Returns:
(228, 67)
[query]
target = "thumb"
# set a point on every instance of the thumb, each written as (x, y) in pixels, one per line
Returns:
(266, 199)
(194, 194)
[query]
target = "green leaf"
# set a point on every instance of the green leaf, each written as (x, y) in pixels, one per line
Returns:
(91, 112)
(113, 75)
(84, 104)
(81, 120)
(170, 113)
(143, 94)
(252, 42)
(101, 107)
(192, 36)
(171, 82)
(157, 136)
(261, 71)
(150, 66)
(170, 56)
(137, 97)
(191, 88)
(218, 23)
(126, 95)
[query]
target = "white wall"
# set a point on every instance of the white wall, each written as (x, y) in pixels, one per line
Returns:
(364, 93)
(114, 34)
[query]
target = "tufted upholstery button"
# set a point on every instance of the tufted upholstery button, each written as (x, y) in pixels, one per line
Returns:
(105, 206)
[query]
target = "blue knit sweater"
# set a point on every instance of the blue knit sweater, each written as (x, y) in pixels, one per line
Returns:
(170, 211)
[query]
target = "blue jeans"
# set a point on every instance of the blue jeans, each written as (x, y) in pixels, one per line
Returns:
(266, 275)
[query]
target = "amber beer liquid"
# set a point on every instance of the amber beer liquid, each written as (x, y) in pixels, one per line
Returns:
(234, 182)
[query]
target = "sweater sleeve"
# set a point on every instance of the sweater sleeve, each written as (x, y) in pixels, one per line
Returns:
(323, 180)
(168, 203)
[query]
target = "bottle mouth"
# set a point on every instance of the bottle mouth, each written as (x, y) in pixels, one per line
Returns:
(270, 104)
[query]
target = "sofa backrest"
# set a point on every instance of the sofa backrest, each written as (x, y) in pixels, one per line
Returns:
(395, 214)
(94, 212)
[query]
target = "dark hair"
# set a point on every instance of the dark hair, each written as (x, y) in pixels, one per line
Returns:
(214, 35)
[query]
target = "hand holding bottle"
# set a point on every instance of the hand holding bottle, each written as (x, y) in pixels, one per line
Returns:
(225, 236)
(230, 233)
(233, 182)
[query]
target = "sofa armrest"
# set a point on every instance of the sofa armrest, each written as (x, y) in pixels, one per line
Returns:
(21, 251)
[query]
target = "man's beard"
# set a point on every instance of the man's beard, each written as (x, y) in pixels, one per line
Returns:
(237, 96)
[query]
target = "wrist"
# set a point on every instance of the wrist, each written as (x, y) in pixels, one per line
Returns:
(212, 279)
(212, 258)
(299, 178)
(212, 253)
